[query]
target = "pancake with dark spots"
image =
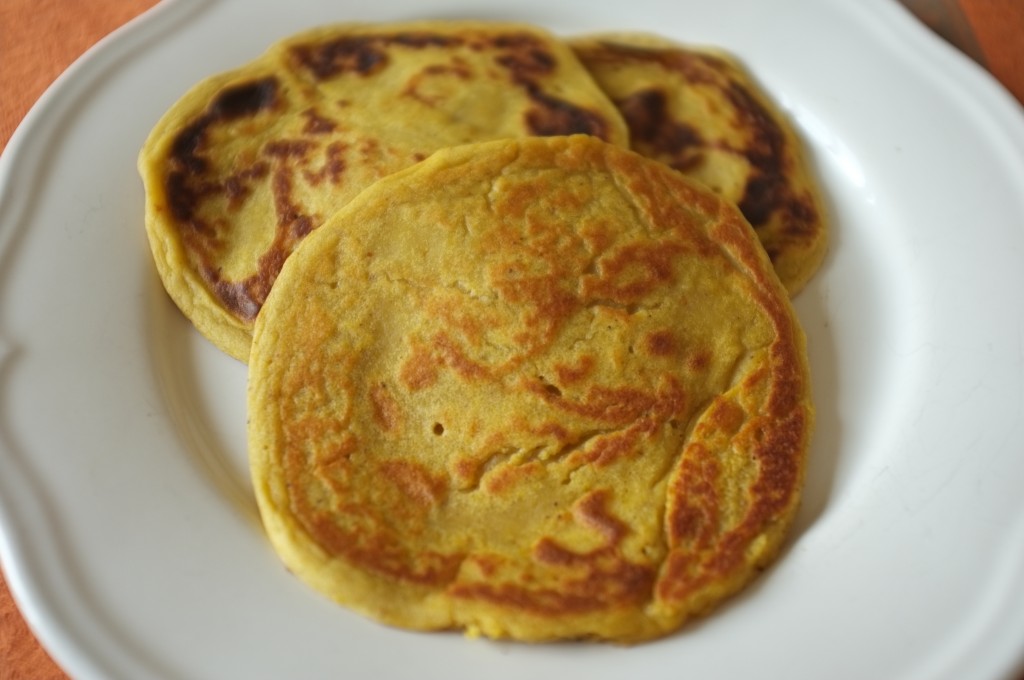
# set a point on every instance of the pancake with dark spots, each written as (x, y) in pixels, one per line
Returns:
(247, 163)
(541, 388)
(702, 114)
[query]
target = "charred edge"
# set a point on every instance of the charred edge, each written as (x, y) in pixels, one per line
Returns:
(767, 192)
(553, 116)
(245, 298)
(346, 55)
(527, 64)
(527, 61)
(652, 129)
(421, 40)
(186, 162)
(362, 55)
(766, 189)
(695, 67)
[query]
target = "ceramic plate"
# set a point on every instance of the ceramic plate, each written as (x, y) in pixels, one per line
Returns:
(128, 532)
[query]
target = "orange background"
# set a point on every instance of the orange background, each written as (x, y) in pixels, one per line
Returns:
(40, 38)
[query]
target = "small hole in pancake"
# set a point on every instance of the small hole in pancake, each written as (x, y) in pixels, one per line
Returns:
(438, 429)
(549, 388)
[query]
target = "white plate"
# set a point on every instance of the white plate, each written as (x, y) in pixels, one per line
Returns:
(129, 536)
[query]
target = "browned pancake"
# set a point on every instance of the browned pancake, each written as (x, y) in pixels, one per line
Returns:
(699, 112)
(249, 162)
(539, 388)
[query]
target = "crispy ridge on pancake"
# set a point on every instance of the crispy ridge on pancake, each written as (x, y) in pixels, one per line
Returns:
(539, 389)
(247, 163)
(698, 111)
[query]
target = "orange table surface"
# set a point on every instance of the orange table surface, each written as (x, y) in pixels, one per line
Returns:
(40, 38)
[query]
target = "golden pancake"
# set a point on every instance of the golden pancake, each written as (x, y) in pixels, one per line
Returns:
(540, 388)
(249, 162)
(701, 113)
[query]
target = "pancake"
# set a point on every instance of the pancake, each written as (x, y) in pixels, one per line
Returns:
(248, 162)
(538, 389)
(700, 112)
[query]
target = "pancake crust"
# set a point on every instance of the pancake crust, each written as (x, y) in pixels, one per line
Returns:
(247, 163)
(700, 112)
(539, 389)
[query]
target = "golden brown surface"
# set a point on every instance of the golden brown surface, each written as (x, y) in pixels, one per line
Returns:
(700, 113)
(247, 163)
(539, 388)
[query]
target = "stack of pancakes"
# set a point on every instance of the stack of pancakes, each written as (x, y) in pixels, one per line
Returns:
(516, 311)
